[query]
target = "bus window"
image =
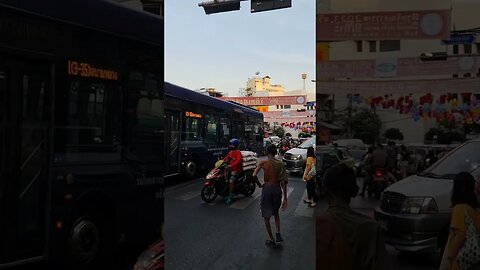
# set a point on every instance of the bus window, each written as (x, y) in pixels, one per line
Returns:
(88, 122)
(224, 131)
(146, 117)
(193, 131)
(211, 134)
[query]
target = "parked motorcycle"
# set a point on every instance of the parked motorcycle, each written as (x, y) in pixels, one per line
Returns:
(216, 183)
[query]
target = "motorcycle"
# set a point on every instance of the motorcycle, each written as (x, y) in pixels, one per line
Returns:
(216, 183)
(380, 180)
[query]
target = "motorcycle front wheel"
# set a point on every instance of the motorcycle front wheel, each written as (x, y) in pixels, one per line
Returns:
(249, 189)
(209, 194)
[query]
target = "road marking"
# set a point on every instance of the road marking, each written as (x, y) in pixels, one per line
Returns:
(189, 185)
(303, 210)
(189, 195)
(243, 203)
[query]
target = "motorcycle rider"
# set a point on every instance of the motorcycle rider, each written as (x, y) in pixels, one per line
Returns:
(234, 157)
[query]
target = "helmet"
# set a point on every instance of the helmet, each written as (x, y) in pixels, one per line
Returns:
(234, 142)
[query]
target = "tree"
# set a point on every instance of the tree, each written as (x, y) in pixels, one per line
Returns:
(365, 126)
(394, 134)
(278, 131)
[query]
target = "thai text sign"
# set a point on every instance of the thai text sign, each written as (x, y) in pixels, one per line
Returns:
(269, 101)
(424, 24)
(401, 67)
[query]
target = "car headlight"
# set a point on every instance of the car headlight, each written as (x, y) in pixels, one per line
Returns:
(297, 157)
(419, 205)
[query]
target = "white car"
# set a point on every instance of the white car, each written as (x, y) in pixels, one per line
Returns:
(294, 159)
(415, 212)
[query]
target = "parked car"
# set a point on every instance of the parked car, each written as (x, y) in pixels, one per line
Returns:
(415, 212)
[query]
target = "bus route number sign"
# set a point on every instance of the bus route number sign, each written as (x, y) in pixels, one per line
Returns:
(88, 71)
(194, 115)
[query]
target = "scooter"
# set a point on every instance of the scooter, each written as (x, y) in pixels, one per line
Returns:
(216, 183)
(380, 180)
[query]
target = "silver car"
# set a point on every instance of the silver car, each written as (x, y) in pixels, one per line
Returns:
(415, 212)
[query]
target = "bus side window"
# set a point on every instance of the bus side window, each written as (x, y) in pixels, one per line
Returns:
(211, 134)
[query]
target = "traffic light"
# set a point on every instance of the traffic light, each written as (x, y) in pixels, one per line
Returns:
(265, 5)
(434, 56)
(218, 6)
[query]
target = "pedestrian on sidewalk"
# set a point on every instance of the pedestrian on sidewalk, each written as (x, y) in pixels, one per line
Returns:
(309, 176)
(274, 188)
(346, 239)
(462, 248)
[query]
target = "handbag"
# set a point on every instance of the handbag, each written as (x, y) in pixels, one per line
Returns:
(469, 254)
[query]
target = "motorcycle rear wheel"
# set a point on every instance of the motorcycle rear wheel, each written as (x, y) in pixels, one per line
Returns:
(209, 194)
(249, 189)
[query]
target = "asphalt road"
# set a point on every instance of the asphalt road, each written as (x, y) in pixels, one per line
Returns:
(219, 236)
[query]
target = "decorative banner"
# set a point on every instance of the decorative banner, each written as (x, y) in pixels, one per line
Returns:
(460, 108)
(395, 25)
(288, 119)
(269, 101)
(401, 67)
(398, 86)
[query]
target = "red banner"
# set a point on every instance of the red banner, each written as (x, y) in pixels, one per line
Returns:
(401, 67)
(424, 24)
(269, 101)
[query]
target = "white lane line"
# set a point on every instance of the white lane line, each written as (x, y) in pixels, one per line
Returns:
(245, 202)
(189, 195)
(303, 210)
(196, 184)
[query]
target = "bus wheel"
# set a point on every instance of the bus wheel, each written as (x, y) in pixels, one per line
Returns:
(87, 243)
(191, 169)
(209, 194)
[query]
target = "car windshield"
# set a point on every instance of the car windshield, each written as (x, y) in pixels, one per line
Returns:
(309, 143)
(466, 158)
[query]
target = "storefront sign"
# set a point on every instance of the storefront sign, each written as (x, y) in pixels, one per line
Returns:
(423, 24)
(269, 101)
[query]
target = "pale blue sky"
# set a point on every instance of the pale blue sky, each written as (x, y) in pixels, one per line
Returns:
(223, 50)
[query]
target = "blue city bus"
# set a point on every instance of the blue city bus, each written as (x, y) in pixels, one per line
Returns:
(198, 128)
(81, 130)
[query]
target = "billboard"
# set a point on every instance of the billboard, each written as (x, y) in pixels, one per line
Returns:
(269, 101)
(393, 25)
(396, 67)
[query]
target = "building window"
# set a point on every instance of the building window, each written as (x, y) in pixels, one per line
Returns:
(278, 107)
(287, 106)
(455, 49)
(359, 45)
(389, 45)
(467, 48)
(372, 44)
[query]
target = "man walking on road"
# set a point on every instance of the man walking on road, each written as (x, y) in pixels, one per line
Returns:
(274, 188)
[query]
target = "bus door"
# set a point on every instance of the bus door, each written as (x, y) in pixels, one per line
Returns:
(24, 137)
(172, 138)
